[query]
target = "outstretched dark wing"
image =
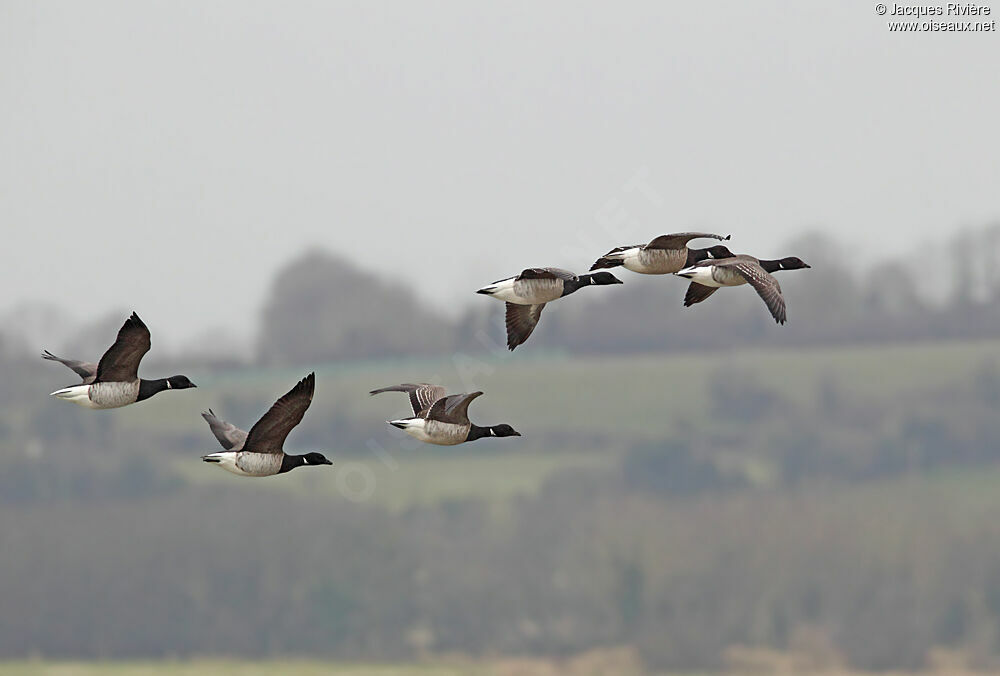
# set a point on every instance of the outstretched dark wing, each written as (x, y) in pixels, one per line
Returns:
(230, 436)
(765, 284)
(120, 364)
(453, 409)
(679, 240)
(521, 320)
(422, 395)
(268, 434)
(85, 369)
(698, 292)
(547, 273)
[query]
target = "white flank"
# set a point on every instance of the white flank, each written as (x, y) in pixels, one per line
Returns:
(227, 461)
(630, 259)
(78, 394)
(701, 274)
(503, 290)
(440, 434)
(412, 426)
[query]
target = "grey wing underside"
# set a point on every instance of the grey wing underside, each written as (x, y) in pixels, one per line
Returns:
(767, 287)
(698, 292)
(679, 240)
(765, 284)
(85, 369)
(521, 320)
(230, 436)
(422, 395)
(452, 409)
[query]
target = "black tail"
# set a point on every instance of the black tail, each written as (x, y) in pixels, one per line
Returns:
(603, 263)
(208, 458)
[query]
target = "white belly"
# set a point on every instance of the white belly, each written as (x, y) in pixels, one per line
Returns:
(630, 261)
(525, 291)
(434, 432)
(247, 464)
(227, 461)
(537, 291)
(654, 261)
(708, 275)
(507, 295)
(100, 395)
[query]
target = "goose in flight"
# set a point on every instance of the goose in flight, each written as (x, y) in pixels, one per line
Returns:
(709, 275)
(527, 293)
(260, 451)
(663, 254)
(441, 419)
(114, 381)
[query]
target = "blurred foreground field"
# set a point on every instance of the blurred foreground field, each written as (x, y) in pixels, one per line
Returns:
(223, 668)
(586, 666)
(624, 397)
(785, 511)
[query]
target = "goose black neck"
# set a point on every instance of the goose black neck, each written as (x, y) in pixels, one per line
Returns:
(771, 266)
(571, 285)
(696, 255)
(147, 388)
(477, 432)
(290, 462)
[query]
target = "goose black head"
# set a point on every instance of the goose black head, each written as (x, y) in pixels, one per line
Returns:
(719, 251)
(793, 263)
(179, 383)
(602, 278)
(316, 459)
(504, 430)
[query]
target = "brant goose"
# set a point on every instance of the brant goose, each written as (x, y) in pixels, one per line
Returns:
(663, 255)
(527, 293)
(441, 419)
(708, 275)
(259, 452)
(114, 381)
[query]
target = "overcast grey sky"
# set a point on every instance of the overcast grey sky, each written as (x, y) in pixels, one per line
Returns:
(169, 157)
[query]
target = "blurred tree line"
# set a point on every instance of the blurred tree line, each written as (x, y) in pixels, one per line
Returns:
(322, 308)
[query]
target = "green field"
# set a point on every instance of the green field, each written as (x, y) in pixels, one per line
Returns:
(510, 667)
(223, 668)
(926, 532)
(632, 396)
(592, 409)
(416, 479)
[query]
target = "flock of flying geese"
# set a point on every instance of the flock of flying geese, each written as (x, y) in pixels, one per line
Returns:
(438, 418)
